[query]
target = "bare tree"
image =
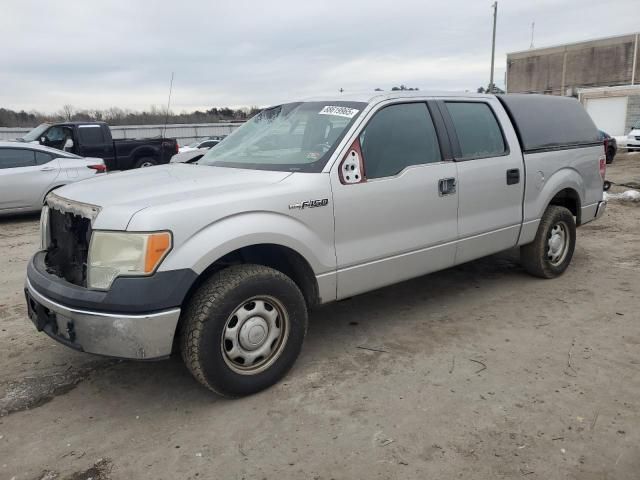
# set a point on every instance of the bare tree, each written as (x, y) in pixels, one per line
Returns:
(67, 112)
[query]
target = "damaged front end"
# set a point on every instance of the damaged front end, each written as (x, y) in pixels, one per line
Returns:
(66, 236)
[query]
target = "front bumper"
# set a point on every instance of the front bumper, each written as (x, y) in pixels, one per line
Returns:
(137, 336)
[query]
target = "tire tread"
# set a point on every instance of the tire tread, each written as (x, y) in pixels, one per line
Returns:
(208, 295)
(532, 255)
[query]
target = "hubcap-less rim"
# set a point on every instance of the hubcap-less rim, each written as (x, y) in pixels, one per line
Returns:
(146, 164)
(255, 335)
(558, 243)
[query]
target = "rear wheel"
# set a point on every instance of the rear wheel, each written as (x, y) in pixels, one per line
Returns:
(549, 255)
(145, 162)
(243, 329)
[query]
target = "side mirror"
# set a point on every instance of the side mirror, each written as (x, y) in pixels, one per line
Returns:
(351, 168)
(43, 140)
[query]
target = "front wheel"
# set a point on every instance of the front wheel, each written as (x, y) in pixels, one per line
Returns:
(549, 255)
(243, 329)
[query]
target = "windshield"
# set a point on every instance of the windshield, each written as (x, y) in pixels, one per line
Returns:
(291, 137)
(34, 134)
(195, 144)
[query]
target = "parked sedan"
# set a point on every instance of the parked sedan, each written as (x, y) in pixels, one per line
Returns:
(633, 139)
(28, 172)
(190, 156)
(610, 145)
(205, 144)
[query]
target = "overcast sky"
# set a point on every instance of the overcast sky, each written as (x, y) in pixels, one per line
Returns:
(240, 53)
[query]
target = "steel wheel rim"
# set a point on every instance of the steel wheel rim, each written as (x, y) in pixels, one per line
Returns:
(146, 164)
(254, 335)
(558, 243)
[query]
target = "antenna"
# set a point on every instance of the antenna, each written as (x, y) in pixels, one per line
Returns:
(533, 26)
(166, 117)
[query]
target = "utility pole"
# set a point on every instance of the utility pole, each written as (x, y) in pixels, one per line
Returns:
(533, 27)
(493, 44)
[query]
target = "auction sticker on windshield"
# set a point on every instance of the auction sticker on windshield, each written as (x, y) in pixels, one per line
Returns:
(339, 111)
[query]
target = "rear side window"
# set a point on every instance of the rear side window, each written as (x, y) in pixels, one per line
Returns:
(16, 157)
(91, 134)
(43, 157)
(397, 137)
(477, 128)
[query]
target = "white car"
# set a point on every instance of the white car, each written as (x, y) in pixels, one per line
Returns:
(189, 156)
(633, 139)
(28, 172)
(205, 144)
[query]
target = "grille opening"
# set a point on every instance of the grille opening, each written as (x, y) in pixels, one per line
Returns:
(67, 253)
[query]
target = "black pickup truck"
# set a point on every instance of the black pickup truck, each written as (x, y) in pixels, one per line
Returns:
(93, 139)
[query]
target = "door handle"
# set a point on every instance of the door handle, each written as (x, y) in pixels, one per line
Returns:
(47, 169)
(446, 186)
(513, 176)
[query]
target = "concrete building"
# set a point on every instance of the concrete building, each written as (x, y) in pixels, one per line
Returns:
(604, 74)
(563, 69)
(613, 109)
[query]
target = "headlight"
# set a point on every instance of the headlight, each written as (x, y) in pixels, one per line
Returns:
(114, 254)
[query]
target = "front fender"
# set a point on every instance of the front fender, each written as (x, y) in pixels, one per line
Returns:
(224, 236)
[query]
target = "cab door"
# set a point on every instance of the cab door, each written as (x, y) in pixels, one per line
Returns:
(94, 141)
(398, 218)
(490, 176)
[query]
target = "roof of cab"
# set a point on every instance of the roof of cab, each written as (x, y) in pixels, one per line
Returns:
(375, 97)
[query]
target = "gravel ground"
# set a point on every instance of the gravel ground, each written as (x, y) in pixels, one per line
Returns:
(480, 371)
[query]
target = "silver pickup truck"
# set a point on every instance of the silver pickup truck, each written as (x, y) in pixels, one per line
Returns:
(307, 203)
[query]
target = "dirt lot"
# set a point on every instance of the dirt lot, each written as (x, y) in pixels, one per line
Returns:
(477, 372)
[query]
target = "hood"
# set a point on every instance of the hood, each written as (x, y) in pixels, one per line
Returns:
(120, 195)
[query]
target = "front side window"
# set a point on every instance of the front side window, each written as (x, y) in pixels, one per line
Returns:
(477, 128)
(16, 157)
(56, 134)
(290, 137)
(397, 137)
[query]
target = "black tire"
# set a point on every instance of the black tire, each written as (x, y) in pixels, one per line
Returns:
(610, 155)
(535, 257)
(212, 308)
(145, 162)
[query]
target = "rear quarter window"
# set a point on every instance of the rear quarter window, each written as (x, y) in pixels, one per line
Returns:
(43, 157)
(91, 134)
